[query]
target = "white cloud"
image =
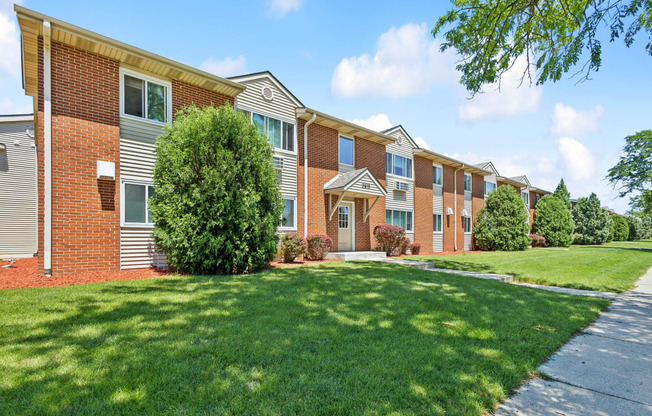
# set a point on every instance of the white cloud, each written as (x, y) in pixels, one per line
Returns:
(567, 121)
(377, 122)
(8, 106)
(513, 97)
(9, 44)
(578, 161)
(421, 142)
(279, 8)
(225, 67)
(407, 62)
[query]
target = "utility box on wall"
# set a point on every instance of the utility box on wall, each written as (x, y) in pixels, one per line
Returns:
(105, 170)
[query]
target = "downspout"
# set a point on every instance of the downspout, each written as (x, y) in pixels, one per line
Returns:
(305, 174)
(455, 203)
(47, 148)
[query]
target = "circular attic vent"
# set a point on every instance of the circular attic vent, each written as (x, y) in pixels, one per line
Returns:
(267, 93)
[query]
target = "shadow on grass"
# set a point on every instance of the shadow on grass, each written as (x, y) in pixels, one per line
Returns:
(351, 338)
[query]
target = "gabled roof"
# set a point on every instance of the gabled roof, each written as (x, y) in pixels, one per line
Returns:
(489, 166)
(267, 75)
(522, 179)
(400, 128)
(31, 28)
(346, 180)
(449, 161)
(343, 126)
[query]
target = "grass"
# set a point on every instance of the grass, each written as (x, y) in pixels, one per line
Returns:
(339, 338)
(612, 267)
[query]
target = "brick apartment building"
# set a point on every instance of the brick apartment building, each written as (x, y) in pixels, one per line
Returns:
(99, 105)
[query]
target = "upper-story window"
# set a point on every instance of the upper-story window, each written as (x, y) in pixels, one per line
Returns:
(346, 151)
(145, 98)
(280, 133)
(538, 197)
(526, 197)
(489, 187)
(436, 175)
(398, 165)
(467, 183)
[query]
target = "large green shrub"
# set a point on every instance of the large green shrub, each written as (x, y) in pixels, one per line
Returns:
(217, 203)
(562, 193)
(620, 228)
(502, 222)
(553, 220)
(640, 226)
(592, 223)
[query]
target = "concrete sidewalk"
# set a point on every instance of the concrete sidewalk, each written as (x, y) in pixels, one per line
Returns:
(605, 371)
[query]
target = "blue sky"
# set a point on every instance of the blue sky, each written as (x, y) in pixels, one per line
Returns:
(378, 64)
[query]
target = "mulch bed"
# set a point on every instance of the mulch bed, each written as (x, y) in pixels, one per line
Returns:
(26, 276)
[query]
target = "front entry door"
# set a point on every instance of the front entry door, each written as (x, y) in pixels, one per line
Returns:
(345, 226)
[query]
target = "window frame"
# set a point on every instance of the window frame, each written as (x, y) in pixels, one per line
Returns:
(467, 220)
(146, 78)
(407, 211)
(495, 186)
(441, 223)
(407, 159)
(468, 175)
(294, 202)
(123, 201)
(339, 149)
(526, 200)
(251, 111)
(441, 169)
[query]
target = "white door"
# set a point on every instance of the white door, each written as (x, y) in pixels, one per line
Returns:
(345, 227)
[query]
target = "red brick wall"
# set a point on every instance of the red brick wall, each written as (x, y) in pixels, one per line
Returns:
(85, 128)
(369, 155)
(477, 197)
(423, 203)
(184, 94)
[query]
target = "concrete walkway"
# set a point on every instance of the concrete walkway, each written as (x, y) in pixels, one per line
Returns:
(605, 371)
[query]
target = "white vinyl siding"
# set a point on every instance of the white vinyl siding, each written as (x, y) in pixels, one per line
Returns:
(18, 196)
(438, 208)
(401, 200)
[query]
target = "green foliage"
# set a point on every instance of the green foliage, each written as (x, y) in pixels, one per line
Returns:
(319, 245)
(562, 193)
(389, 238)
(554, 221)
(502, 222)
(640, 226)
(620, 228)
(217, 202)
(292, 246)
(633, 172)
(490, 35)
(592, 223)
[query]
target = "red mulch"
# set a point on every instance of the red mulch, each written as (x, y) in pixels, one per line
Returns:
(26, 276)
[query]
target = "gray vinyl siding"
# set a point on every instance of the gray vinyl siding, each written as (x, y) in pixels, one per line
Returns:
(358, 186)
(137, 157)
(288, 174)
(18, 198)
(438, 208)
(468, 206)
(467, 241)
(400, 200)
(251, 97)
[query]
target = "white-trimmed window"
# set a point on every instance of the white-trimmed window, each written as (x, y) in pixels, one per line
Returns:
(526, 197)
(135, 203)
(343, 217)
(437, 224)
(346, 151)
(489, 187)
(280, 133)
(437, 176)
(398, 165)
(467, 225)
(144, 97)
(467, 183)
(289, 215)
(399, 218)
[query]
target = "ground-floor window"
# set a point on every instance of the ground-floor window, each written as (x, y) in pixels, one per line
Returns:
(399, 218)
(437, 223)
(135, 203)
(288, 219)
(467, 224)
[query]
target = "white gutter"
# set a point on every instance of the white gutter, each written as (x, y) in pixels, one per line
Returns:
(455, 202)
(305, 174)
(47, 149)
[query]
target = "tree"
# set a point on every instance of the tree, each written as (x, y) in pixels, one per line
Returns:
(562, 193)
(640, 225)
(620, 228)
(633, 172)
(217, 202)
(490, 35)
(592, 222)
(553, 220)
(502, 222)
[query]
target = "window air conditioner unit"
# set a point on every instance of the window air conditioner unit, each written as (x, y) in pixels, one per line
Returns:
(278, 162)
(449, 211)
(401, 186)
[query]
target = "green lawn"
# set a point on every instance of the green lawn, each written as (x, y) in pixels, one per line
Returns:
(340, 338)
(613, 267)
